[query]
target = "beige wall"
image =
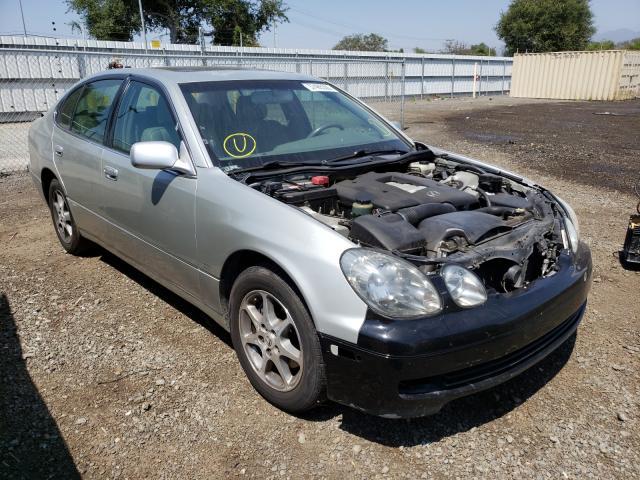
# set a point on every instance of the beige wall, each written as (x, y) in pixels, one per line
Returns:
(600, 75)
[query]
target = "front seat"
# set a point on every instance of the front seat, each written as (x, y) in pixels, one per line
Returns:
(250, 118)
(160, 128)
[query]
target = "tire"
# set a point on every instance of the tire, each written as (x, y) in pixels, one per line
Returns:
(63, 222)
(268, 355)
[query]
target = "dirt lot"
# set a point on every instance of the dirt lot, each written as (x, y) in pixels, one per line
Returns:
(103, 373)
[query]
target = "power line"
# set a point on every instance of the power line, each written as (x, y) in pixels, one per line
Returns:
(357, 28)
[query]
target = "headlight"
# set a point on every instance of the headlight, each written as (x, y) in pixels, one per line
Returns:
(571, 224)
(465, 287)
(388, 285)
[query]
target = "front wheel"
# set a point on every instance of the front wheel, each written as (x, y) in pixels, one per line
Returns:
(275, 340)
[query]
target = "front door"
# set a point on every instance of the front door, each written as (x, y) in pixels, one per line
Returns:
(151, 212)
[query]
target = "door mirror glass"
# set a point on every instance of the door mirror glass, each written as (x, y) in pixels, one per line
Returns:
(153, 155)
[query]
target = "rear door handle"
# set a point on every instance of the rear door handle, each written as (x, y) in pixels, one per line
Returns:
(59, 150)
(111, 173)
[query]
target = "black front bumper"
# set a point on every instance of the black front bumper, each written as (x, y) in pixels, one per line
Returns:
(411, 368)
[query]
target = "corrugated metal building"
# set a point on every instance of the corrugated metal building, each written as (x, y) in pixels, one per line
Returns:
(598, 75)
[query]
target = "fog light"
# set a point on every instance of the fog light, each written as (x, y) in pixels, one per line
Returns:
(465, 287)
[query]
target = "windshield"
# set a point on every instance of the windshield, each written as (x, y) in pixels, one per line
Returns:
(248, 123)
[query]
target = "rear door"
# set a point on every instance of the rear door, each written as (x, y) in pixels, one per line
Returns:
(78, 135)
(152, 212)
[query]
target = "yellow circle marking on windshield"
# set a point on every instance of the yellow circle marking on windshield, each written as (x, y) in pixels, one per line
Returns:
(239, 145)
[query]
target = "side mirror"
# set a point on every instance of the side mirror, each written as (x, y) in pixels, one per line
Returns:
(153, 155)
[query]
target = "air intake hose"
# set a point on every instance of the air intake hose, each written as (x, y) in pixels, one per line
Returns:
(415, 215)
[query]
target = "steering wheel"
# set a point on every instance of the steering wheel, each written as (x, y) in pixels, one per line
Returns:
(324, 127)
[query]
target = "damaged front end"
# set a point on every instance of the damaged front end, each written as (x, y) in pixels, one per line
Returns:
(433, 210)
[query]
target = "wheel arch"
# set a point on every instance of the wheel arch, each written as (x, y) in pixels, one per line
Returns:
(47, 176)
(239, 261)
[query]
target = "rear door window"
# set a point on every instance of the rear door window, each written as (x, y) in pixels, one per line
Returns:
(93, 109)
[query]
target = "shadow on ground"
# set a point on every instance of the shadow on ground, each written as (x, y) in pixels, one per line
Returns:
(166, 295)
(31, 445)
(458, 416)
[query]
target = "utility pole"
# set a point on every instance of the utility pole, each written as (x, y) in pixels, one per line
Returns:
(24, 26)
(144, 30)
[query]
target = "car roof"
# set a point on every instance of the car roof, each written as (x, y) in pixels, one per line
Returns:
(207, 74)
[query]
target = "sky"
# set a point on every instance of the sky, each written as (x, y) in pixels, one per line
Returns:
(321, 24)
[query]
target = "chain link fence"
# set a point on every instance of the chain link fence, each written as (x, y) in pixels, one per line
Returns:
(32, 80)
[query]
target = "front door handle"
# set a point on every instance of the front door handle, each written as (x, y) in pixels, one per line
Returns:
(111, 173)
(59, 150)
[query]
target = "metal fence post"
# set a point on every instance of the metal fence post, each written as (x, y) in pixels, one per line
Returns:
(310, 67)
(504, 72)
(386, 80)
(480, 85)
(422, 80)
(453, 76)
(402, 92)
(346, 72)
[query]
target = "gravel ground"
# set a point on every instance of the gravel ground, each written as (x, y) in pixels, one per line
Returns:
(105, 374)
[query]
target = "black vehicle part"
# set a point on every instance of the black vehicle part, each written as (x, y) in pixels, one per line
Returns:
(490, 183)
(512, 201)
(484, 196)
(302, 196)
(386, 195)
(631, 249)
(390, 231)
(474, 226)
(498, 211)
(415, 215)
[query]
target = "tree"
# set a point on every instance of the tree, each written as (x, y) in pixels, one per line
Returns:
(633, 44)
(546, 25)
(419, 50)
(366, 43)
(456, 47)
(108, 19)
(230, 19)
(602, 45)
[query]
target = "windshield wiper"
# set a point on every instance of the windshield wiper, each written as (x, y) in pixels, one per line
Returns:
(268, 165)
(357, 154)
(363, 153)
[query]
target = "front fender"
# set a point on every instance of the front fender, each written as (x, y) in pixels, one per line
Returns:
(231, 216)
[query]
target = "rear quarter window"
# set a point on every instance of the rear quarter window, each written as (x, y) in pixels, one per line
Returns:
(64, 114)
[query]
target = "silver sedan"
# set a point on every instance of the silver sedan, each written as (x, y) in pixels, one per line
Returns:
(347, 261)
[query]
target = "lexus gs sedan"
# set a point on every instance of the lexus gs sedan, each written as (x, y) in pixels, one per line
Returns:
(348, 262)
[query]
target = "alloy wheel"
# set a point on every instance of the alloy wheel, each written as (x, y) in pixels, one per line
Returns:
(62, 216)
(270, 340)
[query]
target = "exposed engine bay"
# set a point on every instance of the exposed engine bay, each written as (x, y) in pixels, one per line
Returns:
(433, 211)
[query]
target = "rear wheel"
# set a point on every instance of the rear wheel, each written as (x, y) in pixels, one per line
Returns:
(65, 226)
(275, 340)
